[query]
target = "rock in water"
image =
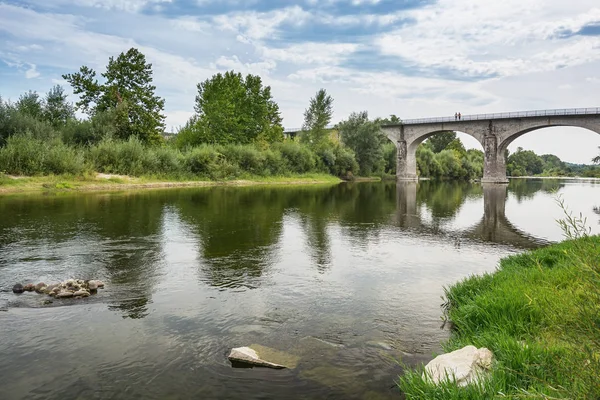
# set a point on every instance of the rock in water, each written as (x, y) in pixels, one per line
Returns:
(93, 285)
(248, 356)
(40, 287)
(18, 288)
(81, 293)
(465, 366)
(30, 287)
(63, 295)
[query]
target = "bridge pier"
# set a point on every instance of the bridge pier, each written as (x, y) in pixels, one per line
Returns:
(494, 164)
(406, 162)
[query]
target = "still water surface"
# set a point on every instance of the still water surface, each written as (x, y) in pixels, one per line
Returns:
(345, 278)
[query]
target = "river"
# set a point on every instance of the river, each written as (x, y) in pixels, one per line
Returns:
(346, 279)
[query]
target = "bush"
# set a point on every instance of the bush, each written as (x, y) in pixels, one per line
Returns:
(274, 163)
(119, 157)
(297, 158)
(345, 165)
(163, 161)
(26, 155)
(206, 161)
(248, 158)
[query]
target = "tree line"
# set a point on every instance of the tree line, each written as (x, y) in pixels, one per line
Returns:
(236, 130)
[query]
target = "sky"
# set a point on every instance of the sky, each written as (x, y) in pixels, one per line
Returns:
(411, 58)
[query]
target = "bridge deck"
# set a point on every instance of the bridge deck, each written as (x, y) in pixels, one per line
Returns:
(518, 114)
(475, 117)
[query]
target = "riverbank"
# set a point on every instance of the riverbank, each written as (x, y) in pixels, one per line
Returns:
(539, 313)
(577, 178)
(100, 182)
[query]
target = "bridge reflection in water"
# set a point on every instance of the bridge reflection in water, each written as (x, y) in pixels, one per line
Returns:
(493, 227)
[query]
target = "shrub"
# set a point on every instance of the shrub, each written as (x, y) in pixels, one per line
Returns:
(163, 161)
(27, 155)
(345, 165)
(297, 158)
(248, 158)
(121, 157)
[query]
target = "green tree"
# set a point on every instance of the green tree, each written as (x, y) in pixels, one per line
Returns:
(551, 161)
(364, 137)
(128, 89)
(427, 163)
(392, 119)
(30, 104)
(596, 160)
(441, 140)
(524, 162)
(57, 110)
(316, 118)
(233, 109)
(457, 146)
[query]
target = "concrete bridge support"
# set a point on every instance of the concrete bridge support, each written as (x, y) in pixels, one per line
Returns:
(494, 163)
(406, 165)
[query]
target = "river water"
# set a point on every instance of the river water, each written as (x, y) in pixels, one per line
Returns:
(345, 280)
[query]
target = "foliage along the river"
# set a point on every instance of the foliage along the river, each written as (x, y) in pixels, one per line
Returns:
(127, 91)
(527, 163)
(237, 130)
(233, 109)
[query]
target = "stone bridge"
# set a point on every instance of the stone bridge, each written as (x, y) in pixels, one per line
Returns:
(494, 131)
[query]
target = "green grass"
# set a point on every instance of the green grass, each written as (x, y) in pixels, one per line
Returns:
(539, 313)
(88, 181)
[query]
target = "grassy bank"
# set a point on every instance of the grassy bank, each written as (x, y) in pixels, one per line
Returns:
(539, 313)
(89, 182)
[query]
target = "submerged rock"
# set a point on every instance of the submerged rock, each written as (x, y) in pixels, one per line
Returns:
(30, 287)
(465, 366)
(69, 288)
(39, 288)
(81, 293)
(249, 356)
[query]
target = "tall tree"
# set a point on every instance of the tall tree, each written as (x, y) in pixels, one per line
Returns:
(127, 90)
(233, 109)
(365, 138)
(30, 103)
(441, 140)
(57, 110)
(316, 118)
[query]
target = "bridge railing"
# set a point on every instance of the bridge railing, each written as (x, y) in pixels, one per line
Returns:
(295, 130)
(519, 114)
(475, 117)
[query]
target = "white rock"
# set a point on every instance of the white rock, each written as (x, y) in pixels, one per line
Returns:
(249, 356)
(464, 366)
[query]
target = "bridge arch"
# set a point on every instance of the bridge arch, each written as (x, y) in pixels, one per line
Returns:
(507, 139)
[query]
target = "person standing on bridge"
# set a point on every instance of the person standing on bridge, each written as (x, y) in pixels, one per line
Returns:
(459, 116)
(455, 116)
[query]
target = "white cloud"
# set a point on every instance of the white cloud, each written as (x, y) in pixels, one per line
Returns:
(504, 38)
(122, 5)
(32, 72)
